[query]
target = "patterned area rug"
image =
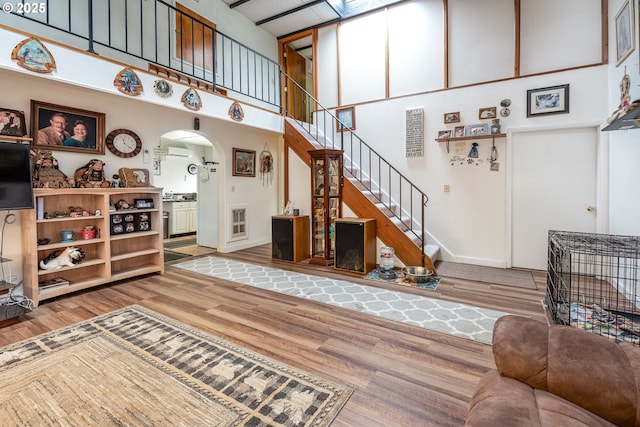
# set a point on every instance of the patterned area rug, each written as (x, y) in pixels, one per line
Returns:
(136, 367)
(461, 320)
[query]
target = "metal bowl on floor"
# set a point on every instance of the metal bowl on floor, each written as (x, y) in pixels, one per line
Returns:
(417, 274)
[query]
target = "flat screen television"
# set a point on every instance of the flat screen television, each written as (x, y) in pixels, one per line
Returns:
(16, 189)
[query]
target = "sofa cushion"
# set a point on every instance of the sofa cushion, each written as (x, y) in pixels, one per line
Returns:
(505, 402)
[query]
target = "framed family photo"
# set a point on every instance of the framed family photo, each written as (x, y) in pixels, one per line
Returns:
(479, 129)
(346, 119)
(548, 100)
(12, 123)
(625, 32)
(58, 127)
(487, 113)
(452, 117)
(244, 162)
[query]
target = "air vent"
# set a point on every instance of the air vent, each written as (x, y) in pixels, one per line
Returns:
(179, 152)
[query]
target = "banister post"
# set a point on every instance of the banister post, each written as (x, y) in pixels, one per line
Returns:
(90, 9)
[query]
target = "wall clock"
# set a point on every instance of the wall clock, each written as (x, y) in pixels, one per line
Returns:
(192, 169)
(124, 143)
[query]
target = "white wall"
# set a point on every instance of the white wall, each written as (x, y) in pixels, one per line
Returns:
(470, 221)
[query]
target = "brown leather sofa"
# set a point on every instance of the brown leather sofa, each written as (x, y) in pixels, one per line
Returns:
(557, 376)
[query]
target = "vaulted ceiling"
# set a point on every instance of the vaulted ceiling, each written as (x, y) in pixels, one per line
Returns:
(286, 17)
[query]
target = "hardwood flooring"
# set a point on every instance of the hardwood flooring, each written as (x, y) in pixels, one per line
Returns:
(401, 375)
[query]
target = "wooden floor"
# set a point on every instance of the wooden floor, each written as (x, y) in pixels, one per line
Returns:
(401, 375)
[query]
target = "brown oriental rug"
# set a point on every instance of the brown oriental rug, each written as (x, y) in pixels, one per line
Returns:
(137, 367)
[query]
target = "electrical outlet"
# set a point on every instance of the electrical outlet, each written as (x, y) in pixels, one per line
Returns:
(447, 188)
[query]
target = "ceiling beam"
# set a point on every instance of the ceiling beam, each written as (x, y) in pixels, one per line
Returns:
(290, 11)
(238, 3)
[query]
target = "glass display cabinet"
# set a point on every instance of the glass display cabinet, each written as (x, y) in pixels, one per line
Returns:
(326, 200)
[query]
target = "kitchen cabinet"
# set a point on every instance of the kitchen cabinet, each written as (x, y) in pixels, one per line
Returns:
(183, 217)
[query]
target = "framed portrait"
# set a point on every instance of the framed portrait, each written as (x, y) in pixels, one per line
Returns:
(548, 100)
(452, 117)
(487, 113)
(479, 129)
(444, 134)
(244, 162)
(458, 132)
(625, 32)
(12, 123)
(58, 127)
(346, 119)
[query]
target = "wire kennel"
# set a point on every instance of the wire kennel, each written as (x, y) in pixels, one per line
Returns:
(593, 283)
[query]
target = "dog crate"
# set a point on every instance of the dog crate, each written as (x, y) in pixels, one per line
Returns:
(593, 283)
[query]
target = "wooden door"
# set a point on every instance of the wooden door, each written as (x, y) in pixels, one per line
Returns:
(295, 66)
(194, 38)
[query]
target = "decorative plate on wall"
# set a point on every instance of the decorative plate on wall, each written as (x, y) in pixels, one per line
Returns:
(128, 82)
(33, 55)
(162, 88)
(191, 99)
(192, 168)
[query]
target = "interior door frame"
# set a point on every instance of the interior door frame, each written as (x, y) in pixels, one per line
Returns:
(602, 176)
(313, 33)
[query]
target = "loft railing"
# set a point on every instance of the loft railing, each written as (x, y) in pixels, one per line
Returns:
(139, 32)
(388, 186)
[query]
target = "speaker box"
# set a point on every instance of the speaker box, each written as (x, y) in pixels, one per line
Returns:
(355, 244)
(290, 238)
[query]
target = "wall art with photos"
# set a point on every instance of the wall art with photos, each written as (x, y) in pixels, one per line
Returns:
(58, 127)
(548, 100)
(12, 122)
(487, 113)
(452, 117)
(625, 32)
(244, 162)
(346, 119)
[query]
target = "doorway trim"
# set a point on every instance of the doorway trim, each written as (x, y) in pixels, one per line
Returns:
(602, 176)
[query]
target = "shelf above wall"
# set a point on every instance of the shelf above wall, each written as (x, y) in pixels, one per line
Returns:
(630, 120)
(470, 138)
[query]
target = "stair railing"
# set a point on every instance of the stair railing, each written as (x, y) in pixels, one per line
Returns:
(390, 189)
(139, 32)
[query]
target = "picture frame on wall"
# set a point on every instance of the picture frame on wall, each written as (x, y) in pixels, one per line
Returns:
(445, 134)
(12, 123)
(453, 117)
(63, 128)
(548, 100)
(625, 32)
(487, 113)
(459, 132)
(244, 162)
(346, 119)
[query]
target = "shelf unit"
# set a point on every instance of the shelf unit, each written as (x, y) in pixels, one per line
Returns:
(108, 257)
(326, 202)
(630, 120)
(473, 138)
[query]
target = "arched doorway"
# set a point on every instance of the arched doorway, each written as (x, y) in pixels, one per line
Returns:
(190, 171)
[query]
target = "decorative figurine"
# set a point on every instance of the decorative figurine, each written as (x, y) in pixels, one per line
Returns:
(91, 175)
(46, 172)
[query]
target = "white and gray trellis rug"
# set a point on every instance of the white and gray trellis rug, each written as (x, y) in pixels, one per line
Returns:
(452, 318)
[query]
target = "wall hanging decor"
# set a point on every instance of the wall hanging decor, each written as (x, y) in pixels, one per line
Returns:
(414, 132)
(548, 100)
(58, 127)
(163, 88)
(33, 55)
(487, 113)
(346, 119)
(625, 32)
(235, 112)
(191, 99)
(266, 166)
(12, 123)
(452, 117)
(244, 162)
(128, 82)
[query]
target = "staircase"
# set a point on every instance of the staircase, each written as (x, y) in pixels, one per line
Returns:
(366, 199)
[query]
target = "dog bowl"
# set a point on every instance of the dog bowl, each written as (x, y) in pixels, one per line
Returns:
(417, 274)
